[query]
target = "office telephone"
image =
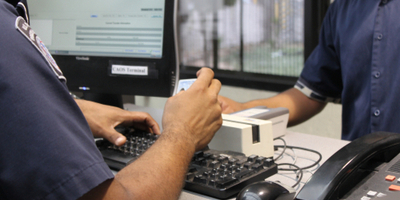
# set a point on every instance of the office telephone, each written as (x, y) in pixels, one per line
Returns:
(367, 168)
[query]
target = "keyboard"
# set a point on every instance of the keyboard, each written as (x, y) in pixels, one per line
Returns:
(219, 174)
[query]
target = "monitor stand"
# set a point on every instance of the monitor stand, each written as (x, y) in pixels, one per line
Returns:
(107, 99)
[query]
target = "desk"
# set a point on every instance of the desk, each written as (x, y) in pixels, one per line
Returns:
(326, 146)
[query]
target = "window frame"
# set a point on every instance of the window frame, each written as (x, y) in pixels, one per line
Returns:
(314, 13)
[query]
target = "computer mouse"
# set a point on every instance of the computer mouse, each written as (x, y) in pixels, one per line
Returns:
(266, 190)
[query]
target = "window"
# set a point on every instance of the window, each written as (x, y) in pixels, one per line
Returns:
(248, 43)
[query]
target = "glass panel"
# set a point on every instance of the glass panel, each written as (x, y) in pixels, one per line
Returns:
(253, 36)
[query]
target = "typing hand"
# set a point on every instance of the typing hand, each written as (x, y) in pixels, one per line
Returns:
(103, 119)
(195, 114)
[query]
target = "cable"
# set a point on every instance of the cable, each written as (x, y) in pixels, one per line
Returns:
(304, 149)
(284, 148)
(295, 156)
(300, 171)
(311, 160)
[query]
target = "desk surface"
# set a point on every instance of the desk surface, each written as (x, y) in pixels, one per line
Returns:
(326, 146)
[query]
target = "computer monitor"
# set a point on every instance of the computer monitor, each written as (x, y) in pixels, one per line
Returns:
(109, 48)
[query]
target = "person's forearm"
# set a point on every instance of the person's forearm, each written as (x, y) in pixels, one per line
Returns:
(190, 120)
(161, 170)
(301, 108)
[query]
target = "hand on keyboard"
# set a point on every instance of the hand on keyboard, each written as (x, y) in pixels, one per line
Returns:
(215, 173)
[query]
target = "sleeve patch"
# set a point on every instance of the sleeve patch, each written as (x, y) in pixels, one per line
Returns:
(27, 31)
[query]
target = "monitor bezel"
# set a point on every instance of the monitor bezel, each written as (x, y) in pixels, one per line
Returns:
(93, 73)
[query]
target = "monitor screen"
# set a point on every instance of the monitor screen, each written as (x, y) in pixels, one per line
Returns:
(111, 46)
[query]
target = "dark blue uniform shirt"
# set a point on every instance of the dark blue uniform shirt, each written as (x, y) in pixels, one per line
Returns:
(47, 150)
(357, 63)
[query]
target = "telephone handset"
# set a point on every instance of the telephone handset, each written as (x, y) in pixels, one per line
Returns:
(349, 167)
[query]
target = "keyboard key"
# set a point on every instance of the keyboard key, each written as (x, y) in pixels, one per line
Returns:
(252, 158)
(207, 155)
(268, 162)
(232, 161)
(257, 167)
(260, 160)
(243, 172)
(215, 164)
(223, 160)
(390, 178)
(248, 165)
(199, 161)
(214, 157)
(241, 163)
(226, 182)
(198, 154)
(394, 188)
(192, 169)
(189, 176)
(200, 179)
(212, 183)
(214, 175)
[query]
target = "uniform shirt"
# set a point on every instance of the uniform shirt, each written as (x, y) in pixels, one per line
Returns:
(47, 150)
(357, 63)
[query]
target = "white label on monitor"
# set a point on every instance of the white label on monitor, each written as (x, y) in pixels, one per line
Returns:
(250, 112)
(129, 70)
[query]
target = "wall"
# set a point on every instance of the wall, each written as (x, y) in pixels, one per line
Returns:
(327, 123)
